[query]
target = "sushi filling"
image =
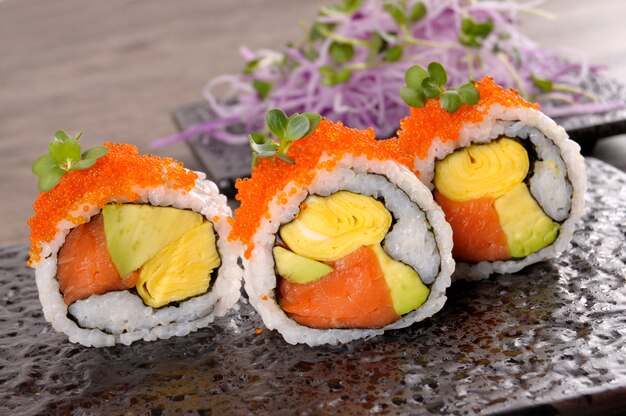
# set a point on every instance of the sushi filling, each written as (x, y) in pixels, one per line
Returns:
(162, 254)
(498, 196)
(333, 270)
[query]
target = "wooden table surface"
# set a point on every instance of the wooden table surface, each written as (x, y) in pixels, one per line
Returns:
(116, 68)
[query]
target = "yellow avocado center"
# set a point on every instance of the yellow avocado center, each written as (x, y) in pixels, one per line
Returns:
(482, 171)
(329, 228)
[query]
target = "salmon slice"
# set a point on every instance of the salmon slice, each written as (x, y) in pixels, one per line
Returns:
(353, 295)
(476, 229)
(84, 266)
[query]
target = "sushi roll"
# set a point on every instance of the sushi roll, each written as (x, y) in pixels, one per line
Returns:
(128, 246)
(509, 180)
(341, 240)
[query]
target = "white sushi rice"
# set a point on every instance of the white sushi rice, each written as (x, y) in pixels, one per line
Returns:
(558, 182)
(420, 237)
(121, 316)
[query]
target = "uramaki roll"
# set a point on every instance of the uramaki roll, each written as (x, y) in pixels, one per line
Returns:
(134, 247)
(343, 244)
(508, 178)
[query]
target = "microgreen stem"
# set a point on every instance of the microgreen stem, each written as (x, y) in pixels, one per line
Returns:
(361, 66)
(285, 147)
(327, 11)
(514, 74)
(575, 90)
(470, 63)
(408, 38)
(343, 39)
(557, 96)
(538, 12)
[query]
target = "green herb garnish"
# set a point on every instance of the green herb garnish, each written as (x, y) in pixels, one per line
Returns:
(473, 33)
(331, 76)
(541, 83)
(418, 12)
(64, 156)
(397, 12)
(286, 130)
(394, 53)
(263, 88)
(347, 7)
(341, 53)
(423, 84)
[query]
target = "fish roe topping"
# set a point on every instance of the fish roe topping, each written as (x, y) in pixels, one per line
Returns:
(116, 176)
(418, 130)
(270, 176)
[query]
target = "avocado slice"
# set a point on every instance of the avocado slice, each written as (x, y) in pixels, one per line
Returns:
(299, 269)
(181, 270)
(136, 233)
(527, 228)
(408, 292)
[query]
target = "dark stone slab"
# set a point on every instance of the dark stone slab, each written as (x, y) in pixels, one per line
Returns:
(548, 340)
(589, 128)
(223, 163)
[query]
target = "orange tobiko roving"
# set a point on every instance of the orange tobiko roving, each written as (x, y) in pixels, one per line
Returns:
(424, 125)
(271, 176)
(115, 177)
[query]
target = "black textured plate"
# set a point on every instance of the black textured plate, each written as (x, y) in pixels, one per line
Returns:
(548, 340)
(225, 163)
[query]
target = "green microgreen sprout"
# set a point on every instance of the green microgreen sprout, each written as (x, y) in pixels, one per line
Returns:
(403, 16)
(286, 130)
(262, 88)
(423, 84)
(418, 12)
(331, 76)
(556, 89)
(473, 33)
(251, 66)
(64, 155)
(397, 12)
(542, 83)
(383, 47)
(341, 53)
(394, 53)
(406, 18)
(347, 7)
(320, 31)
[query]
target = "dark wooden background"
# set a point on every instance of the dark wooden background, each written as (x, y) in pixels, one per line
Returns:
(116, 68)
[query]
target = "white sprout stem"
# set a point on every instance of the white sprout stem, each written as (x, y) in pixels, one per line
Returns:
(343, 39)
(470, 63)
(575, 90)
(538, 12)
(408, 38)
(557, 96)
(513, 72)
